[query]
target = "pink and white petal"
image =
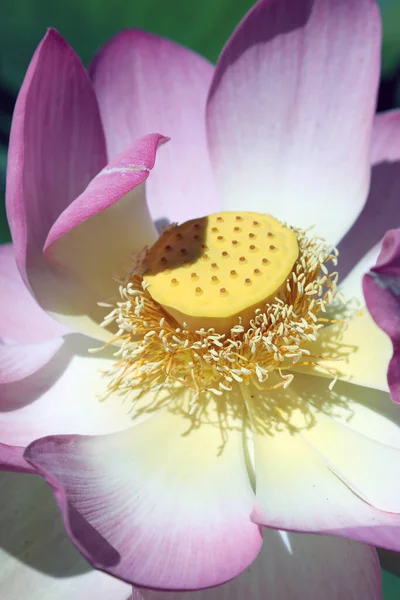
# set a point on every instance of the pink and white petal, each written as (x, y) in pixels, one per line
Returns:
(357, 351)
(94, 238)
(285, 134)
(297, 566)
(294, 460)
(56, 147)
(146, 83)
(352, 286)
(36, 554)
(381, 211)
(12, 459)
(382, 294)
(369, 468)
(171, 496)
(21, 318)
(18, 361)
(64, 396)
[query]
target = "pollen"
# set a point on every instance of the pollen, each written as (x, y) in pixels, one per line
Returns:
(225, 240)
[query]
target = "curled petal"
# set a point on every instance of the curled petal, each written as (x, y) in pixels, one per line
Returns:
(93, 239)
(382, 294)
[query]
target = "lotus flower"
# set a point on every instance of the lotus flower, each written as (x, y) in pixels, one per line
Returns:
(206, 401)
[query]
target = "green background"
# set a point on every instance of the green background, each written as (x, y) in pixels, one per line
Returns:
(203, 26)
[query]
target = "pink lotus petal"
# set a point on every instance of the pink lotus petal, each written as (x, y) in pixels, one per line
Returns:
(382, 294)
(169, 508)
(301, 567)
(382, 210)
(35, 552)
(18, 361)
(61, 397)
(332, 483)
(12, 459)
(56, 147)
(146, 83)
(93, 239)
(21, 318)
(290, 111)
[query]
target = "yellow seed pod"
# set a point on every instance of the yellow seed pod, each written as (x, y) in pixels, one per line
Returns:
(208, 272)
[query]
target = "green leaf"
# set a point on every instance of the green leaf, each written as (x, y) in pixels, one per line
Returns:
(4, 230)
(390, 10)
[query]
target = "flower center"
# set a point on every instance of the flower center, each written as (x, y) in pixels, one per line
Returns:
(234, 298)
(215, 272)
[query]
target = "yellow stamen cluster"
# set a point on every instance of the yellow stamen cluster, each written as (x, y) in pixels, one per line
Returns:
(156, 351)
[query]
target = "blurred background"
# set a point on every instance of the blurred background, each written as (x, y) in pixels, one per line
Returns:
(86, 24)
(203, 26)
